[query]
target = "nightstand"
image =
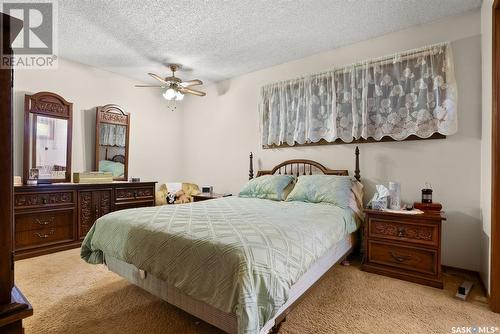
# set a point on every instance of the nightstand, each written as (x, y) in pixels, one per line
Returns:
(205, 196)
(404, 246)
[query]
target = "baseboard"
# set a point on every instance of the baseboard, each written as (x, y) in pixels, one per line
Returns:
(470, 273)
(27, 253)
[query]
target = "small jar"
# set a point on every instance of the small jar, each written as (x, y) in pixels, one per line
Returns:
(427, 195)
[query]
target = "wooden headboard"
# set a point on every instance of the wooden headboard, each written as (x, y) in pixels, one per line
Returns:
(299, 167)
(119, 158)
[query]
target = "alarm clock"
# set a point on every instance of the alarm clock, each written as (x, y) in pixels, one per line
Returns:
(207, 189)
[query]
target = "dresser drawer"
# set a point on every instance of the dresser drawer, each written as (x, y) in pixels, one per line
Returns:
(43, 236)
(43, 220)
(134, 193)
(418, 233)
(403, 257)
(43, 199)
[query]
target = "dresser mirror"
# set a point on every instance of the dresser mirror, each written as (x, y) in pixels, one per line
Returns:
(48, 120)
(111, 141)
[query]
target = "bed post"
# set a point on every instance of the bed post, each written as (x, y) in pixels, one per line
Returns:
(345, 261)
(250, 171)
(356, 170)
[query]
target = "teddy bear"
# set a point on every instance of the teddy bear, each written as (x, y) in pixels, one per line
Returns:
(181, 197)
(170, 199)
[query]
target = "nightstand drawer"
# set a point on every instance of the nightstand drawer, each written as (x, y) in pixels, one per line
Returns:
(403, 257)
(421, 233)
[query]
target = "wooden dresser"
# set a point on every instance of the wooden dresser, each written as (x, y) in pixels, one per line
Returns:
(54, 217)
(404, 246)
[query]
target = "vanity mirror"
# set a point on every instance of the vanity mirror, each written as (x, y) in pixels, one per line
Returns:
(111, 141)
(48, 120)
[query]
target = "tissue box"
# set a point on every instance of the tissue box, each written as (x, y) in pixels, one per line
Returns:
(379, 204)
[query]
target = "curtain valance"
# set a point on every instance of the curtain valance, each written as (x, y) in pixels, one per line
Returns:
(409, 93)
(112, 135)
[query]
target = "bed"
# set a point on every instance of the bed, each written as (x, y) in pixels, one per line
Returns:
(240, 264)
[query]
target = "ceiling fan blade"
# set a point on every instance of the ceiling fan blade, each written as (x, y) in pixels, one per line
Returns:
(191, 91)
(157, 77)
(153, 86)
(189, 83)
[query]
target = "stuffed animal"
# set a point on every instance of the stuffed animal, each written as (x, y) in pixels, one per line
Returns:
(170, 198)
(181, 197)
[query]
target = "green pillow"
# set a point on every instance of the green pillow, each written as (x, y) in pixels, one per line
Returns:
(267, 186)
(322, 188)
(116, 168)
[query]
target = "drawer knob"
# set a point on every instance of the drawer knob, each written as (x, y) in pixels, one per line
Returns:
(44, 236)
(401, 232)
(400, 258)
(135, 193)
(43, 222)
(45, 201)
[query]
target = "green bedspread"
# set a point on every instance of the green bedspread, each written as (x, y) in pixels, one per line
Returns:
(241, 255)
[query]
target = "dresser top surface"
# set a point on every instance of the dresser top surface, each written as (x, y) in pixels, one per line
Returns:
(426, 215)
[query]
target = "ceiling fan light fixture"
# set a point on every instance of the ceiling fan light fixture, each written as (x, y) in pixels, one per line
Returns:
(170, 94)
(175, 88)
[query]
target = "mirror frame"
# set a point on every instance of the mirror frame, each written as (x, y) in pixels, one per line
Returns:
(50, 105)
(112, 114)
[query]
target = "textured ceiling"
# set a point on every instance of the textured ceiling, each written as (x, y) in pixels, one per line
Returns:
(216, 40)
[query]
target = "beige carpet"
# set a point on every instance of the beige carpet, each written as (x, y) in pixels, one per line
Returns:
(71, 296)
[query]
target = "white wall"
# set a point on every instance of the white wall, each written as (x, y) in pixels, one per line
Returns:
(154, 148)
(486, 51)
(222, 128)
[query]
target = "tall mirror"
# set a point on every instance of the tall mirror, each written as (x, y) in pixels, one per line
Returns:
(111, 141)
(48, 120)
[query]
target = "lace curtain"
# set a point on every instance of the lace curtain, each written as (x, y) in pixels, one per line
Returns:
(410, 93)
(112, 135)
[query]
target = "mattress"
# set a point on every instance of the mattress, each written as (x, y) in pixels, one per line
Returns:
(239, 255)
(224, 320)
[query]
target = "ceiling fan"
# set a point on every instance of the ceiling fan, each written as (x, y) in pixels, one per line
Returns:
(174, 87)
